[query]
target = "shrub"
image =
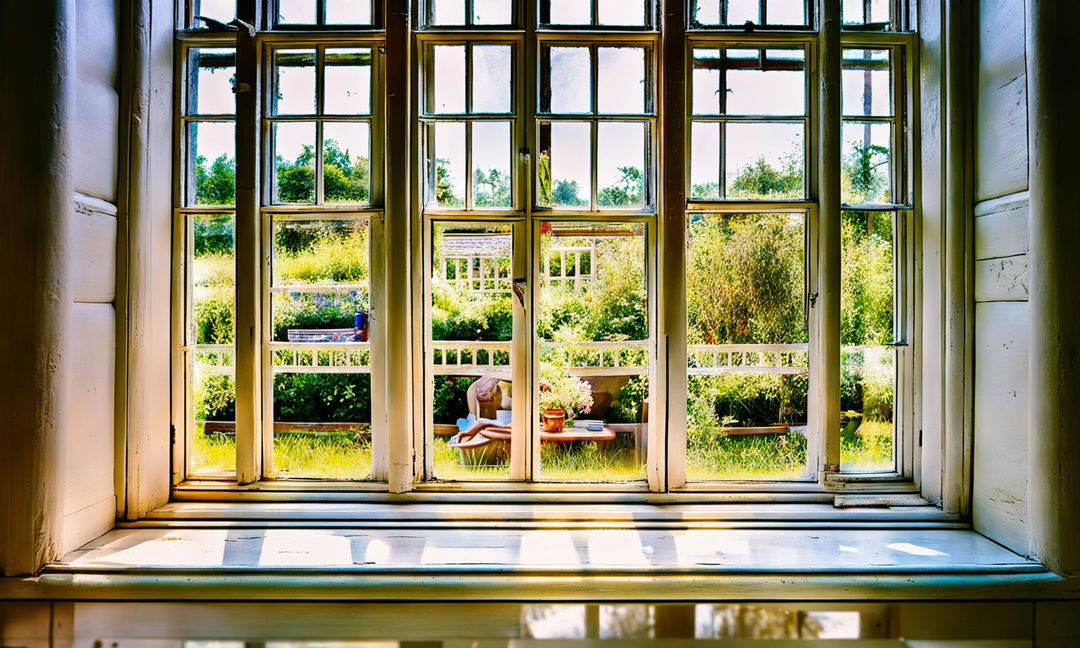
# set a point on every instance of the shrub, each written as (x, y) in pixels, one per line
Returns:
(630, 401)
(449, 403)
(322, 398)
(214, 398)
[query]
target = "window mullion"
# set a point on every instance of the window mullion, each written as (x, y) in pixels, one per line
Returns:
(248, 255)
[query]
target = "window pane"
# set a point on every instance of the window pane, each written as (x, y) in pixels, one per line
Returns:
(294, 82)
(448, 12)
(212, 331)
(567, 80)
(321, 358)
(348, 12)
(492, 87)
(449, 79)
(621, 80)
(570, 12)
(705, 160)
(854, 12)
(740, 12)
(294, 162)
(621, 168)
(211, 170)
(472, 327)
(786, 12)
(296, 12)
(622, 12)
(867, 83)
(446, 165)
(565, 165)
(493, 12)
(348, 81)
(867, 163)
(756, 82)
(220, 10)
(867, 326)
(764, 160)
(747, 359)
(593, 352)
(491, 158)
(347, 162)
(209, 90)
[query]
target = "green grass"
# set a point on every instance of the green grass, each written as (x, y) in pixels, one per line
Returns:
(764, 457)
(869, 449)
(337, 456)
(585, 461)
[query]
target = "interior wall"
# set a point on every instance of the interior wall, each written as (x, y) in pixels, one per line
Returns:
(89, 497)
(1002, 329)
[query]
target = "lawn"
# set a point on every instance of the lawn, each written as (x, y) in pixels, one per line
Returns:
(769, 457)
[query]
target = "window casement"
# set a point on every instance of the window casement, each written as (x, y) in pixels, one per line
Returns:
(601, 223)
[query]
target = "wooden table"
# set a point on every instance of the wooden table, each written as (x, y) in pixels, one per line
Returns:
(572, 434)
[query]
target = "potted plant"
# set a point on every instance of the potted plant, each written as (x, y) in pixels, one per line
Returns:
(562, 397)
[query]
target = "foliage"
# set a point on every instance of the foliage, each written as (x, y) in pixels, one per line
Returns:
(561, 193)
(322, 398)
(863, 178)
(761, 180)
(628, 190)
(444, 185)
(322, 253)
(491, 188)
(346, 177)
(449, 402)
(561, 391)
(629, 403)
(213, 234)
(316, 311)
(457, 315)
(866, 298)
(215, 185)
(214, 398)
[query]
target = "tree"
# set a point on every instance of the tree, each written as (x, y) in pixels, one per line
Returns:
(444, 185)
(763, 179)
(296, 180)
(491, 189)
(864, 181)
(216, 185)
(628, 190)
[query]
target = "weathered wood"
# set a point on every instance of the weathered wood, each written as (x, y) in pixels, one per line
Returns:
(1002, 279)
(94, 233)
(1001, 227)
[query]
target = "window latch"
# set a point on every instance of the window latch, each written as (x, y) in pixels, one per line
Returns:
(524, 155)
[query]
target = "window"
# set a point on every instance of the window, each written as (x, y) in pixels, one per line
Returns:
(550, 246)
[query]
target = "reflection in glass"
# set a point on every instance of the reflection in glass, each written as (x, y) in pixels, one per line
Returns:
(470, 350)
(567, 80)
(212, 331)
(594, 362)
(630, 13)
(569, 12)
(747, 360)
(211, 164)
(348, 12)
(866, 163)
(211, 92)
(446, 164)
(867, 326)
(564, 169)
(764, 160)
(294, 162)
(348, 81)
(320, 325)
(493, 12)
(347, 162)
(491, 142)
(621, 80)
(296, 12)
(621, 169)
(492, 87)
(867, 83)
(449, 79)
(448, 12)
(294, 82)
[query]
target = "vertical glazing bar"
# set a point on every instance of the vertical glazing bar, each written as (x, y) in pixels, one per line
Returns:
(248, 253)
(825, 334)
(666, 467)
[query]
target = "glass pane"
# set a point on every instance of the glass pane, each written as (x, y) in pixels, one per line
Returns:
(446, 165)
(786, 12)
(705, 160)
(294, 162)
(472, 326)
(868, 366)
(567, 80)
(491, 158)
(294, 84)
(449, 79)
(570, 12)
(859, 12)
(867, 83)
(321, 358)
(565, 165)
(866, 164)
(296, 12)
(594, 352)
(448, 12)
(492, 86)
(213, 71)
(748, 364)
(621, 171)
(621, 80)
(347, 162)
(348, 81)
(219, 10)
(212, 330)
(740, 12)
(764, 160)
(755, 82)
(622, 12)
(348, 12)
(493, 12)
(211, 166)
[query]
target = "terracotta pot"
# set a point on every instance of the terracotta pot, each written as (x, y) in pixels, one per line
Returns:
(554, 420)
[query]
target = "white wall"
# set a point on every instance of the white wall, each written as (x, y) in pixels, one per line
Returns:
(1002, 329)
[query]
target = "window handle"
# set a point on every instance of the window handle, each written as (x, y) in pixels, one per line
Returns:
(520, 285)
